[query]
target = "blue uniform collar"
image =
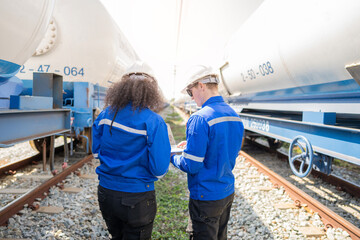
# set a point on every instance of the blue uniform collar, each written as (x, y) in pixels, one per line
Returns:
(213, 100)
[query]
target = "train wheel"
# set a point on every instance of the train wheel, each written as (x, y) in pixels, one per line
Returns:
(243, 140)
(274, 144)
(36, 144)
(88, 133)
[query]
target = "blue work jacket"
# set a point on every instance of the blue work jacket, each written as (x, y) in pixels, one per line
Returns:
(214, 135)
(136, 152)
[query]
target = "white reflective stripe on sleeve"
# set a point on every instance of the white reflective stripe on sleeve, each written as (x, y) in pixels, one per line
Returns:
(192, 157)
(161, 175)
(123, 127)
(95, 155)
(224, 119)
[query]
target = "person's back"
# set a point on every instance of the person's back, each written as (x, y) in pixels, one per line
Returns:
(224, 130)
(125, 164)
(132, 144)
(214, 136)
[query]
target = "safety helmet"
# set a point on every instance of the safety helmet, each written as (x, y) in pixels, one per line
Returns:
(201, 73)
(140, 68)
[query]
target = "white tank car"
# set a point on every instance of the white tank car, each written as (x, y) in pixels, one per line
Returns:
(291, 56)
(21, 35)
(83, 44)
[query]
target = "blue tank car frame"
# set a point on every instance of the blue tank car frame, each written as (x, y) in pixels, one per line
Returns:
(47, 106)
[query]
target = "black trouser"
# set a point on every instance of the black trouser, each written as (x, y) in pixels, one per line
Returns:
(128, 215)
(208, 219)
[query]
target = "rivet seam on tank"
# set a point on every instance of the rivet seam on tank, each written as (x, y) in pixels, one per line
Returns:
(48, 42)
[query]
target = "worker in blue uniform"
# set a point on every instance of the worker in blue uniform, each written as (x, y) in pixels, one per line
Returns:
(132, 143)
(214, 136)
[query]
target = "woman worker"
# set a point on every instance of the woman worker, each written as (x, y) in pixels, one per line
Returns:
(132, 143)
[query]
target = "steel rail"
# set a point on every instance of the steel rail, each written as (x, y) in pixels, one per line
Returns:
(340, 183)
(328, 217)
(334, 180)
(24, 162)
(28, 198)
(18, 164)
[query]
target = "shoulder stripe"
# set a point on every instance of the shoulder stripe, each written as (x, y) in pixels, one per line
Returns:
(123, 127)
(192, 157)
(224, 119)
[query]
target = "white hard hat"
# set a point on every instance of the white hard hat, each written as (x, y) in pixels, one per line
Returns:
(140, 67)
(201, 73)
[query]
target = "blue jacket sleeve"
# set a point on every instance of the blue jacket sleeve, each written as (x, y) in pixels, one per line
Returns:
(192, 159)
(97, 131)
(159, 150)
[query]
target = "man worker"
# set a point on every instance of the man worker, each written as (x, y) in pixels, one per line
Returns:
(214, 135)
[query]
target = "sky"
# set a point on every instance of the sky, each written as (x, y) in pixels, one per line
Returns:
(173, 35)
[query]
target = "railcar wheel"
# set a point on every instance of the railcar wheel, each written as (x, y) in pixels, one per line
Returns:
(243, 141)
(88, 133)
(300, 150)
(36, 144)
(274, 144)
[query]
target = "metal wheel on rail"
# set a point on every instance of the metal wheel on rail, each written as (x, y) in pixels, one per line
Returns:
(274, 144)
(37, 144)
(88, 133)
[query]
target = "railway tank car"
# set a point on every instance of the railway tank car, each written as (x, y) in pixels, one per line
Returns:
(89, 51)
(83, 44)
(292, 73)
(19, 39)
(57, 61)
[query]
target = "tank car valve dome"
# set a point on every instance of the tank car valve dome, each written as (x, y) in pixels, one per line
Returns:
(201, 73)
(140, 68)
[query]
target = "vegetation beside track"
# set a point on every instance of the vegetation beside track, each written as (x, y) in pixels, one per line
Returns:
(171, 193)
(172, 202)
(177, 126)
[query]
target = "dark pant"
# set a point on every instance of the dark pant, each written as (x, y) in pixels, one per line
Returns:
(128, 215)
(208, 219)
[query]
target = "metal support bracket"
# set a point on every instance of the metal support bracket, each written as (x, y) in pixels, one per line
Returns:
(323, 163)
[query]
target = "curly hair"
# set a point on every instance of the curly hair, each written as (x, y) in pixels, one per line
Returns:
(141, 90)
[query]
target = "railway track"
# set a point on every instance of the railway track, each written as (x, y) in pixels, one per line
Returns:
(12, 167)
(329, 218)
(337, 181)
(35, 194)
